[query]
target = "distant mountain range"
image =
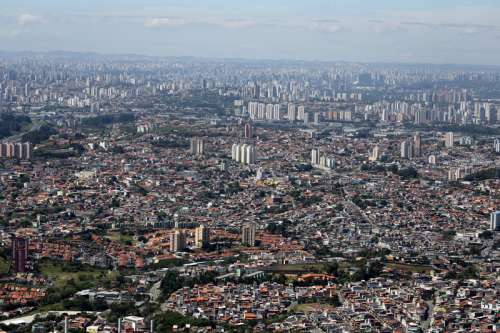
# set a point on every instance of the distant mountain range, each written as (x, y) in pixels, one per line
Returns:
(95, 56)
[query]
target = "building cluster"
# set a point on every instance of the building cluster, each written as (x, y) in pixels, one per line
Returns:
(321, 161)
(22, 151)
(243, 153)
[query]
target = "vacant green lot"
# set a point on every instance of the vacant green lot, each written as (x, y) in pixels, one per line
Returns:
(62, 273)
(4, 266)
(410, 268)
(118, 237)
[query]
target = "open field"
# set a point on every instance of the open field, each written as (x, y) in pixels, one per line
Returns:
(62, 276)
(410, 268)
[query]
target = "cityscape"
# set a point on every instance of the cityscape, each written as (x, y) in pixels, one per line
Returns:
(148, 193)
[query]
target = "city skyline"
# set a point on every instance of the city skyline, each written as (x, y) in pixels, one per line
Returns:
(458, 32)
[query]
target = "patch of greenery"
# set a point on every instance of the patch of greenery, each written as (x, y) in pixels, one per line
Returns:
(11, 124)
(174, 281)
(165, 321)
(108, 119)
(39, 135)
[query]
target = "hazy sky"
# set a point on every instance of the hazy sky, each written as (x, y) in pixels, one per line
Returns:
(432, 31)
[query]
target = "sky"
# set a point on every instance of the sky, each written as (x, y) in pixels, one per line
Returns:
(405, 31)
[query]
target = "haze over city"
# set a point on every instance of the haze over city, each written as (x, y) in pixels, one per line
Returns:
(445, 31)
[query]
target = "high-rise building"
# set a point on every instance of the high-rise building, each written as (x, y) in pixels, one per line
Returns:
(245, 153)
(249, 154)
(19, 254)
(201, 237)
(197, 146)
(3, 150)
(420, 117)
(315, 156)
(276, 112)
(16, 150)
(248, 234)
(417, 145)
(326, 162)
(26, 151)
(252, 109)
(375, 154)
(449, 139)
(292, 112)
(301, 112)
(496, 145)
(248, 131)
(261, 111)
(317, 118)
(177, 241)
(235, 152)
(495, 221)
(269, 111)
(10, 150)
(406, 149)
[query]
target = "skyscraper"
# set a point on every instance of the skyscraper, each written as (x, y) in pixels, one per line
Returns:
(197, 146)
(292, 112)
(177, 241)
(245, 153)
(375, 154)
(406, 149)
(26, 151)
(248, 131)
(496, 145)
(248, 234)
(417, 141)
(276, 112)
(315, 155)
(495, 221)
(201, 237)
(19, 254)
(301, 112)
(449, 139)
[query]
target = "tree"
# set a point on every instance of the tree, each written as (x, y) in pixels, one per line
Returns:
(487, 234)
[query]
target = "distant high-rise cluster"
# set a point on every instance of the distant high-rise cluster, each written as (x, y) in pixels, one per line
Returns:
(197, 146)
(412, 148)
(455, 174)
(21, 151)
(262, 111)
(243, 153)
(339, 115)
(466, 141)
